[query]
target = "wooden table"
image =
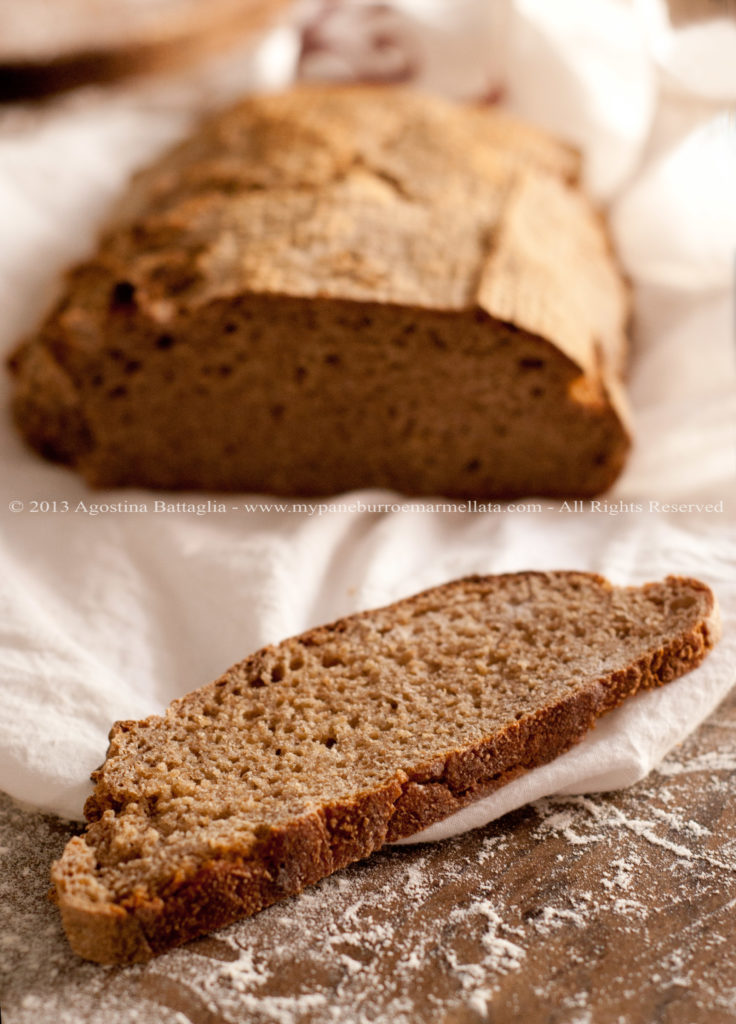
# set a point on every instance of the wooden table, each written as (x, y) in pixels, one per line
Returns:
(613, 909)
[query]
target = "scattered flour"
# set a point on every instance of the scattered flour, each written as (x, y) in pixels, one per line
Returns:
(558, 917)
(456, 931)
(710, 761)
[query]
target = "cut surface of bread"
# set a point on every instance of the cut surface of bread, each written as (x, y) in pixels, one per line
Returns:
(313, 753)
(342, 287)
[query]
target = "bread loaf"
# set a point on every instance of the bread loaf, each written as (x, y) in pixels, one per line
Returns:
(338, 288)
(311, 754)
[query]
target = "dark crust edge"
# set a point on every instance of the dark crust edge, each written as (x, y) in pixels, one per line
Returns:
(286, 860)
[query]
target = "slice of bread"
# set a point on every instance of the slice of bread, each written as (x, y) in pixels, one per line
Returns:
(336, 288)
(313, 753)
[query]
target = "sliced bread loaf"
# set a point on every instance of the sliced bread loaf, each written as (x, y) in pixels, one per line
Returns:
(338, 288)
(312, 753)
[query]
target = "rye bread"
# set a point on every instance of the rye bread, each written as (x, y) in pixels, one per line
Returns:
(315, 752)
(342, 287)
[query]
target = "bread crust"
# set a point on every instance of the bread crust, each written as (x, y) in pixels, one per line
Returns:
(286, 859)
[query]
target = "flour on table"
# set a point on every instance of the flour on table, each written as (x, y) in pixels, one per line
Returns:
(452, 927)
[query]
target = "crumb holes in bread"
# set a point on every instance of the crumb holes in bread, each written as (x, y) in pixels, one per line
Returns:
(437, 340)
(123, 295)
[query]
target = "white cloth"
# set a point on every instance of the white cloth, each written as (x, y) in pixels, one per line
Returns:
(110, 614)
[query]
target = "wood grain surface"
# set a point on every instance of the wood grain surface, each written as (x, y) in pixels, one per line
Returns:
(613, 909)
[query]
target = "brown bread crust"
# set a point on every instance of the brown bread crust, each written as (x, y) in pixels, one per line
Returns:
(284, 859)
(351, 287)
